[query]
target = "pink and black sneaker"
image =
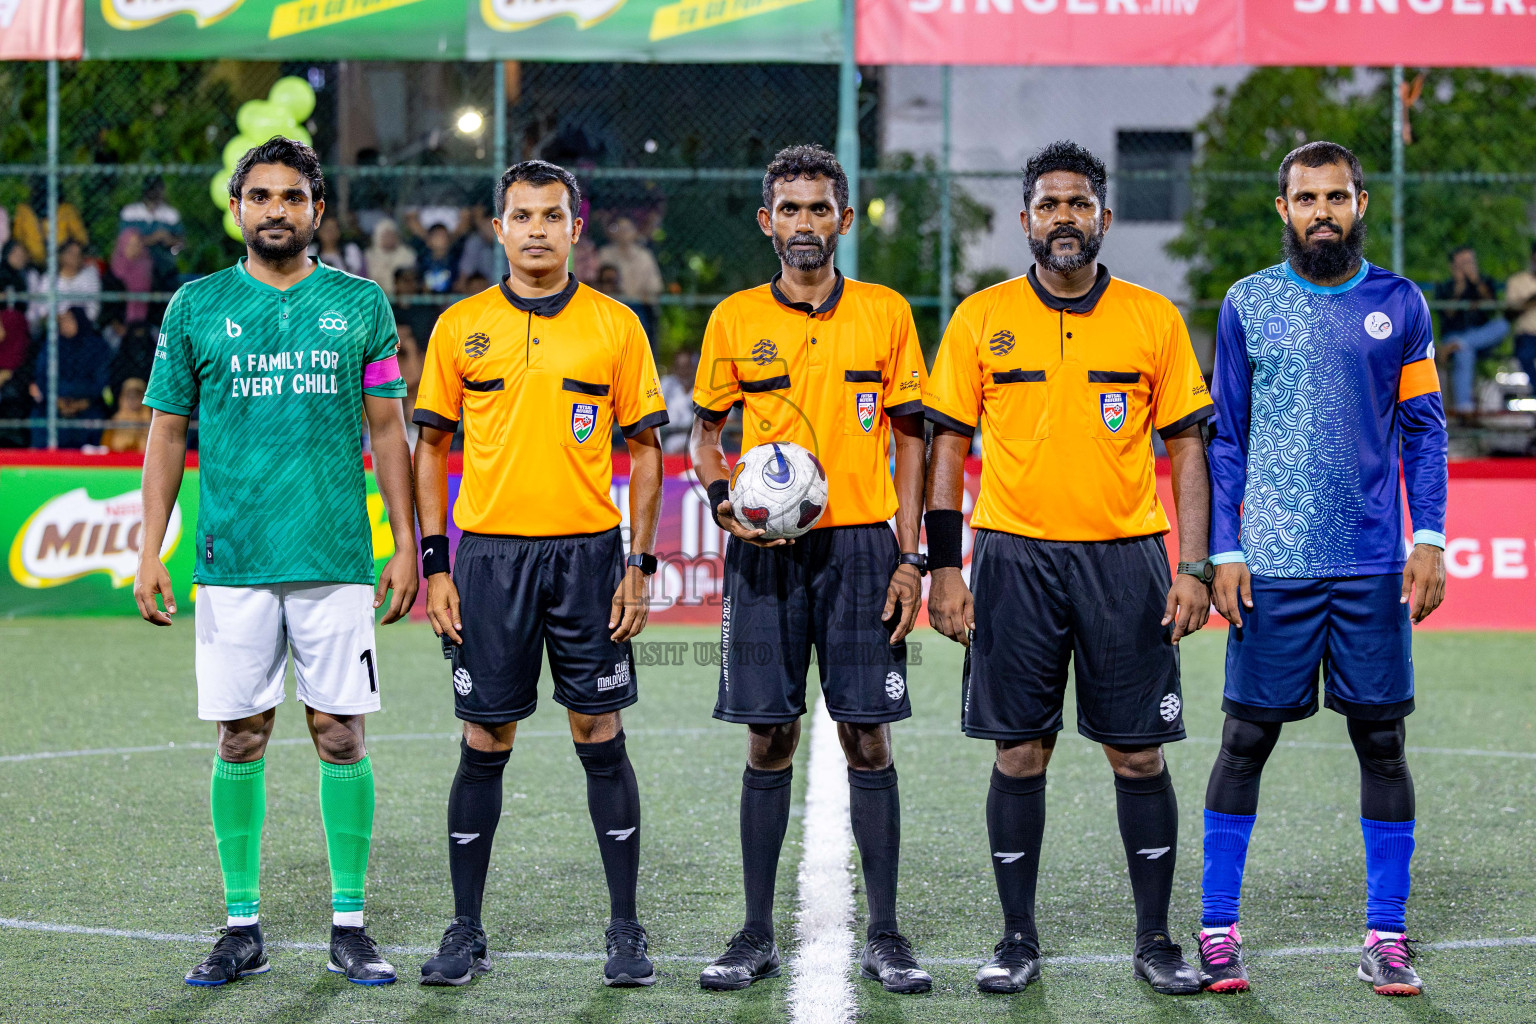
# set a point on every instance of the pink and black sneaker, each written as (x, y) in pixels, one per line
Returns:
(1385, 963)
(1221, 960)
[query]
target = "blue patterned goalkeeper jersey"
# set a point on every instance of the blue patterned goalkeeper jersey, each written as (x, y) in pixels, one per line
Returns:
(1320, 394)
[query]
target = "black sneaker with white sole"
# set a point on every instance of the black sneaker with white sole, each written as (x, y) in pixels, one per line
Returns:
(1015, 963)
(461, 955)
(750, 957)
(356, 955)
(888, 959)
(627, 966)
(1160, 963)
(238, 952)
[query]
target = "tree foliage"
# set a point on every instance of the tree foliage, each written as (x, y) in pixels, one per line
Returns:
(1470, 127)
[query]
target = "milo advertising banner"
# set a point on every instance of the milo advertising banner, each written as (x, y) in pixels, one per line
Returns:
(73, 536)
(803, 31)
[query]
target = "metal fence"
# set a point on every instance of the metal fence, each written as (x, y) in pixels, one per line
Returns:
(677, 151)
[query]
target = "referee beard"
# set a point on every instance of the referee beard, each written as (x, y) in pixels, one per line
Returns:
(528, 588)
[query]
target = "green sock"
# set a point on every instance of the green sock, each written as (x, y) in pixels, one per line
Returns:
(346, 807)
(238, 798)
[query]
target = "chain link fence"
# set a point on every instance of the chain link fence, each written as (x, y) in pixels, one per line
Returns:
(670, 158)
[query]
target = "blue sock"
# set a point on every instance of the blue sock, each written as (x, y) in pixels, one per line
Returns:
(1388, 849)
(1226, 852)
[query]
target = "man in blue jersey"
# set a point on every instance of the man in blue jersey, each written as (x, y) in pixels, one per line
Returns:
(1325, 380)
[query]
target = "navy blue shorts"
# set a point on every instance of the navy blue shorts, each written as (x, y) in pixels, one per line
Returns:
(1355, 629)
(823, 592)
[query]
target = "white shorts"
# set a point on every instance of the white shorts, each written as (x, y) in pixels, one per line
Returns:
(244, 635)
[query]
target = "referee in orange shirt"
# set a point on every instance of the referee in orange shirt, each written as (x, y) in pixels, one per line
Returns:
(832, 365)
(1069, 371)
(540, 369)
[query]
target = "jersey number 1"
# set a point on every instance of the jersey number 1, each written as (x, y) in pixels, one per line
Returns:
(373, 677)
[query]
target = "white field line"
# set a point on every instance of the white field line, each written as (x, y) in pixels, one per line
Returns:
(1523, 755)
(1250, 953)
(292, 741)
(821, 991)
(21, 924)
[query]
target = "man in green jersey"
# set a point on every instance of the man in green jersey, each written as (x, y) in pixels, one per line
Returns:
(282, 357)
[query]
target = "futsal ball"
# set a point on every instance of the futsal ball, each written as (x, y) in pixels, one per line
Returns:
(779, 488)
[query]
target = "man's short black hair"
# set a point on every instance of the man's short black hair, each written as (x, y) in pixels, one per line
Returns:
(1320, 154)
(286, 152)
(805, 161)
(537, 172)
(1067, 155)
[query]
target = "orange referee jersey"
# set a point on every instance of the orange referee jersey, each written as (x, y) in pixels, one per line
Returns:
(827, 379)
(541, 383)
(1068, 392)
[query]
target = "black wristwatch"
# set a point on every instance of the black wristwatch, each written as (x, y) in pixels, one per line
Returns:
(916, 558)
(1202, 570)
(645, 560)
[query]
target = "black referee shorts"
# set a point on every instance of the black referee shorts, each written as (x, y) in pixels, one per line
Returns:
(1100, 604)
(520, 597)
(825, 591)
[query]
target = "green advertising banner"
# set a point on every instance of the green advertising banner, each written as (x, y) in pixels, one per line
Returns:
(72, 539)
(678, 31)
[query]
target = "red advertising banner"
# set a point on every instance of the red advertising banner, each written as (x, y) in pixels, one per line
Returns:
(1490, 546)
(41, 29)
(1048, 31)
(1475, 33)
(1472, 33)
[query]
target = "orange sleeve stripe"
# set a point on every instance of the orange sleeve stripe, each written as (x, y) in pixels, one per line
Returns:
(1419, 378)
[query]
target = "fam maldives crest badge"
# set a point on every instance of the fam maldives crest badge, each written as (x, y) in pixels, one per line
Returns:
(583, 419)
(1112, 409)
(865, 407)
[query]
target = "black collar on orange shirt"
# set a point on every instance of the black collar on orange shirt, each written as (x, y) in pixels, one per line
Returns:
(1082, 305)
(805, 307)
(545, 306)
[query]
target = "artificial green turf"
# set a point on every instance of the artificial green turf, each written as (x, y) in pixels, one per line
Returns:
(123, 841)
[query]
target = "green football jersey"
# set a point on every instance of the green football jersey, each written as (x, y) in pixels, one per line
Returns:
(277, 380)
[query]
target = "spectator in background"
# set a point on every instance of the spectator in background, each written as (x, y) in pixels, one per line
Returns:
(15, 341)
(475, 283)
(135, 356)
(83, 359)
(134, 269)
(584, 262)
(329, 248)
(437, 257)
(31, 228)
(77, 279)
(130, 423)
(608, 280)
(677, 392)
(483, 255)
(15, 280)
(159, 224)
(1466, 332)
(5, 226)
(387, 256)
(421, 317)
(639, 273)
(1520, 301)
(412, 356)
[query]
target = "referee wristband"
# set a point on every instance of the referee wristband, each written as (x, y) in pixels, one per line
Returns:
(434, 554)
(945, 528)
(719, 491)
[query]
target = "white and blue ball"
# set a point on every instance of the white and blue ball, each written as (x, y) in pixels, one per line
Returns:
(779, 488)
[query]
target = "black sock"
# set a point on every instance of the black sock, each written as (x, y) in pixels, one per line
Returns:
(1234, 784)
(1149, 827)
(764, 817)
(875, 808)
(1386, 786)
(613, 799)
(1015, 825)
(474, 810)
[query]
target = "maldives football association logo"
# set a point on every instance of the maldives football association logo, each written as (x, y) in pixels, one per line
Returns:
(1112, 410)
(864, 406)
(583, 421)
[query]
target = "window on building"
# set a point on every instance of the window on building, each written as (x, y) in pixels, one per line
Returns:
(1152, 181)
